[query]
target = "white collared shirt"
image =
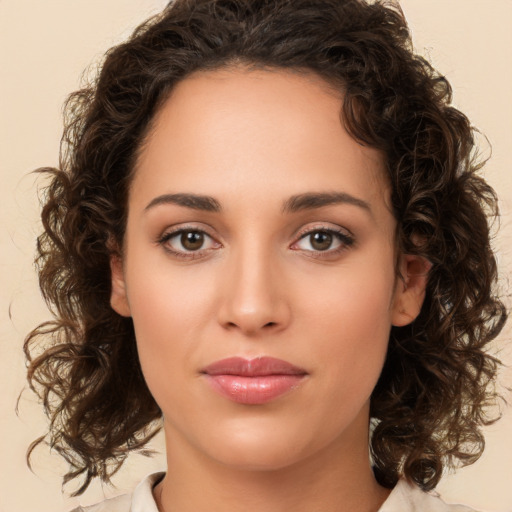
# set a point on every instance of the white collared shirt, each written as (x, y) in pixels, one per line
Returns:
(405, 497)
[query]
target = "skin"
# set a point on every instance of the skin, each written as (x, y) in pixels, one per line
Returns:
(260, 286)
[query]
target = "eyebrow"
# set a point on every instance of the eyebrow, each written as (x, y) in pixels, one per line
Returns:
(312, 200)
(296, 203)
(194, 201)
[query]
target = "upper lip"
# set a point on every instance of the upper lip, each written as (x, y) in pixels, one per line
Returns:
(257, 367)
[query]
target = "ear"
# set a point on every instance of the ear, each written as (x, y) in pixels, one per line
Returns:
(410, 290)
(118, 296)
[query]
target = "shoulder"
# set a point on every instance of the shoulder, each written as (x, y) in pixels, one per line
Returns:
(141, 500)
(407, 497)
(117, 504)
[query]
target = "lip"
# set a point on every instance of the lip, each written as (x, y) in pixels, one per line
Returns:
(253, 381)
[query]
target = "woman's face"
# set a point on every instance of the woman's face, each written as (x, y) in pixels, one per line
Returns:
(258, 228)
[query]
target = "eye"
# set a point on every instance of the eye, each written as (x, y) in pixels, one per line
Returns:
(186, 242)
(323, 240)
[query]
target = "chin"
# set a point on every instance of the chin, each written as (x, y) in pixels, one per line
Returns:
(257, 459)
(260, 449)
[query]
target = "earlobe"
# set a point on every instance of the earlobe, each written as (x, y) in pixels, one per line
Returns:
(118, 297)
(410, 291)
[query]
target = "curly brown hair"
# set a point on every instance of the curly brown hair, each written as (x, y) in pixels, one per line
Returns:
(437, 382)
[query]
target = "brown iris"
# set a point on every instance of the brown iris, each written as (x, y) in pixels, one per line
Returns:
(192, 240)
(321, 240)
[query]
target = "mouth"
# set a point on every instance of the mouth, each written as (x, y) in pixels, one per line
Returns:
(255, 381)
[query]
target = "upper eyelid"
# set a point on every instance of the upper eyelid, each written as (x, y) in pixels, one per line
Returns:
(171, 234)
(323, 227)
(180, 228)
(298, 235)
(168, 234)
(345, 237)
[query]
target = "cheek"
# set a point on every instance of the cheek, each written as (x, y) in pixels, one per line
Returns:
(168, 312)
(350, 324)
(166, 301)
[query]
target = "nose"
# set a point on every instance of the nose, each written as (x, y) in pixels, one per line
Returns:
(253, 293)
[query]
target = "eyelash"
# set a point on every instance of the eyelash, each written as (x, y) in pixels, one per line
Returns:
(188, 255)
(346, 241)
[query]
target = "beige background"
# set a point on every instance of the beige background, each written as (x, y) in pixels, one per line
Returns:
(44, 47)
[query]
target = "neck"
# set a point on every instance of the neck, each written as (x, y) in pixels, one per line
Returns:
(338, 478)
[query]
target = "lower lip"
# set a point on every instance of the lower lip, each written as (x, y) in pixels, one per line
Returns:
(253, 390)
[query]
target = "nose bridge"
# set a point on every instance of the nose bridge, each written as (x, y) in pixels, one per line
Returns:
(253, 298)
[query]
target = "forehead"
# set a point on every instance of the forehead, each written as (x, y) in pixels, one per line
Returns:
(247, 126)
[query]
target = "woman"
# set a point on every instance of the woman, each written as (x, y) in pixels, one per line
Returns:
(268, 235)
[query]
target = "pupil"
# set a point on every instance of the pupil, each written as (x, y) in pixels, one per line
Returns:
(192, 240)
(321, 241)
